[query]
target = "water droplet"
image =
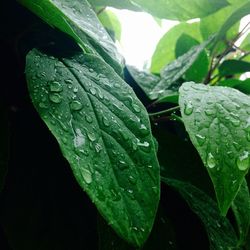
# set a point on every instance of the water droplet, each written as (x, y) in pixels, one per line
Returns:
(132, 179)
(211, 163)
(79, 139)
(188, 109)
(55, 86)
(243, 161)
(75, 90)
(98, 147)
(235, 122)
(122, 165)
(105, 121)
(68, 81)
(136, 108)
(144, 129)
(87, 176)
(75, 106)
(210, 112)
(43, 105)
(92, 91)
(55, 97)
(91, 136)
(115, 195)
(89, 119)
(200, 139)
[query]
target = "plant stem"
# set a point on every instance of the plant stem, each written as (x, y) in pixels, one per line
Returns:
(170, 110)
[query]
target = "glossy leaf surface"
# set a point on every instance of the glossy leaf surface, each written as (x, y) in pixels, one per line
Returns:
(243, 86)
(165, 49)
(217, 121)
(220, 232)
(104, 133)
(232, 67)
(78, 20)
(181, 10)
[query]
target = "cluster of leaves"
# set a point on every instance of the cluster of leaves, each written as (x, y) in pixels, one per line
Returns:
(120, 142)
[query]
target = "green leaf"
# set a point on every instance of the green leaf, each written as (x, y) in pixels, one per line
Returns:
(180, 9)
(145, 80)
(78, 20)
(243, 86)
(234, 18)
(217, 121)
(175, 70)
(232, 67)
(241, 209)
(111, 22)
(4, 144)
(165, 49)
(172, 98)
(104, 133)
(121, 4)
(199, 69)
(220, 232)
(245, 45)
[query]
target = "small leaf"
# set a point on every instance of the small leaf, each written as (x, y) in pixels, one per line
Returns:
(220, 232)
(242, 11)
(77, 19)
(165, 49)
(241, 209)
(181, 10)
(104, 132)
(243, 86)
(173, 71)
(199, 69)
(145, 80)
(111, 22)
(218, 123)
(232, 67)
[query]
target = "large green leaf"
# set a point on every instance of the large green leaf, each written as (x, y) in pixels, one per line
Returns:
(199, 69)
(77, 19)
(121, 4)
(218, 123)
(180, 9)
(111, 22)
(176, 69)
(220, 232)
(145, 80)
(232, 67)
(165, 49)
(104, 133)
(243, 86)
(245, 45)
(4, 144)
(241, 209)
(242, 11)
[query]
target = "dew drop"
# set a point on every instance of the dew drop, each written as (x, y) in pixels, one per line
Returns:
(92, 91)
(200, 139)
(68, 81)
(87, 176)
(115, 195)
(55, 86)
(122, 165)
(98, 147)
(91, 136)
(144, 129)
(132, 179)
(55, 98)
(75, 105)
(243, 161)
(136, 108)
(43, 105)
(105, 122)
(188, 109)
(211, 163)
(210, 112)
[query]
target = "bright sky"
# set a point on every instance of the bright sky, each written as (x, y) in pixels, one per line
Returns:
(141, 33)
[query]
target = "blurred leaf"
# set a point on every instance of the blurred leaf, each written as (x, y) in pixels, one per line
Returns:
(181, 10)
(145, 80)
(162, 236)
(232, 67)
(165, 49)
(217, 121)
(172, 98)
(4, 144)
(119, 4)
(241, 209)
(243, 86)
(176, 69)
(199, 69)
(78, 20)
(111, 22)
(236, 16)
(245, 45)
(220, 232)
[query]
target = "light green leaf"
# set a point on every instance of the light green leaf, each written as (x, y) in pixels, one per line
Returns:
(172, 98)
(220, 232)
(77, 19)
(242, 11)
(199, 69)
(165, 50)
(103, 131)
(232, 67)
(145, 80)
(243, 86)
(218, 123)
(180, 9)
(173, 71)
(245, 45)
(241, 209)
(111, 22)
(121, 4)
